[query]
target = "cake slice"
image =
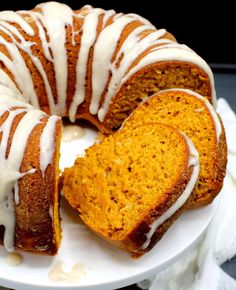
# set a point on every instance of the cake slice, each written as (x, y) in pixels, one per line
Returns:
(131, 187)
(29, 158)
(194, 115)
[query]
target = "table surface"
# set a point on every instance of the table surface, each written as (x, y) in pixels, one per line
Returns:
(225, 88)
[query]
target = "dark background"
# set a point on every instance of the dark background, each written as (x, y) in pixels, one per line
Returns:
(207, 29)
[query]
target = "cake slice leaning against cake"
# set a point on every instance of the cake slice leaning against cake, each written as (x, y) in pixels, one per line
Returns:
(194, 115)
(29, 155)
(132, 186)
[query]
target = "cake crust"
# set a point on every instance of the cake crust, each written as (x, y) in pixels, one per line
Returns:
(73, 94)
(66, 74)
(37, 223)
(220, 173)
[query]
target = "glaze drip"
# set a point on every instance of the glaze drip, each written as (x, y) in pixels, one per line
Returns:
(47, 143)
(14, 259)
(194, 162)
(58, 273)
(11, 157)
(100, 31)
(72, 132)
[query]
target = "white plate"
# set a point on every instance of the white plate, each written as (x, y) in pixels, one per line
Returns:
(103, 267)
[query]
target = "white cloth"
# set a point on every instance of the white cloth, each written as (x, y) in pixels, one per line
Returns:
(200, 269)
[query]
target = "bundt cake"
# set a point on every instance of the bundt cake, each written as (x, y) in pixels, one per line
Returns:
(93, 64)
(86, 64)
(192, 114)
(29, 156)
(141, 179)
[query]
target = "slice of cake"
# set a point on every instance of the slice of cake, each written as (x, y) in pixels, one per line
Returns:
(29, 158)
(192, 114)
(134, 184)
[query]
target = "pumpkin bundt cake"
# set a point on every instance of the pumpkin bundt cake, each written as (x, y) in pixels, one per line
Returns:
(29, 157)
(92, 63)
(88, 64)
(141, 180)
(193, 115)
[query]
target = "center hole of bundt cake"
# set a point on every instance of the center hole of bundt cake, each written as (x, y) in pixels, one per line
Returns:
(126, 176)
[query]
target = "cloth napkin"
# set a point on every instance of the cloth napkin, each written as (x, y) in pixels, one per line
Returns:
(200, 269)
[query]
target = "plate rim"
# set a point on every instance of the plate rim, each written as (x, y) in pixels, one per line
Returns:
(118, 283)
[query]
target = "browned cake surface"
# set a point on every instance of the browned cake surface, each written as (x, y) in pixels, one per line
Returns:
(156, 77)
(190, 115)
(128, 181)
(160, 75)
(35, 229)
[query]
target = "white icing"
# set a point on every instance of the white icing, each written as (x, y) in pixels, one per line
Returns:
(36, 16)
(47, 143)
(8, 101)
(164, 53)
(21, 135)
(58, 273)
(16, 186)
(193, 161)
(55, 17)
(10, 165)
(14, 259)
(106, 43)
(142, 19)
(72, 132)
(131, 48)
(51, 20)
(11, 16)
(7, 83)
(20, 71)
(207, 104)
(26, 47)
(51, 212)
(6, 91)
(7, 219)
(87, 40)
(38, 63)
(108, 14)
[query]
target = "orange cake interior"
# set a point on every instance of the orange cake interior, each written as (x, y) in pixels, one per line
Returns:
(193, 115)
(127, 180)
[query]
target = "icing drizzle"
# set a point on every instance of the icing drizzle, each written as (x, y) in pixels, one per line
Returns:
(10, 162)
(57, 273)
(47, 143)
(110, 69)
(193, 161)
